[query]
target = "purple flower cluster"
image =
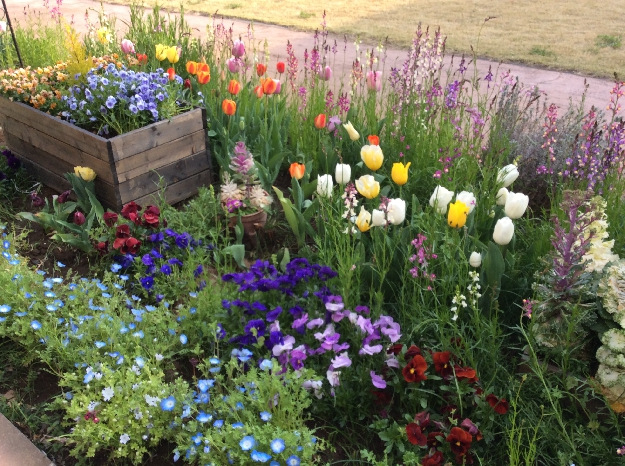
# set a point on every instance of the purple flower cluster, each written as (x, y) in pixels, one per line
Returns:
(13, 163)
(117, 95)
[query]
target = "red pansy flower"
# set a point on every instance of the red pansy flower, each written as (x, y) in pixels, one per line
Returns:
(499, 405)
(422, 419)
(415, 370)
(436, 459)
(466, 373)
(412, 352)
(415, 436)
(395, 349)
(102, 247)
(129, 208)
(433, 439)
(441, 363)
(132, 246)
(459, 441)
(110, 218)
(151, 216)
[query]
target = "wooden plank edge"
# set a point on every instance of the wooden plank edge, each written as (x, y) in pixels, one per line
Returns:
(178, 191)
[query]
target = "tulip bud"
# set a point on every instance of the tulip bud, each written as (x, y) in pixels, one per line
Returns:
(502, 195)
(372, 156)
(278, 86)
(516, 204)
(325, 73)
(378, 218)
(234, 87)
(261, 69)
(363, 221)
(373, 140)
(229, 107)
(63, 197)
(203, 77)
(242, 123)
(475, 260)
(507, 175)
(396, 211)
(457, 216)
(187, 84)
(399, 173)
(324, 185)
(467, 199)
(36, 200)
(343, 173)
(440, 198)
(353, 134)
(234, 65)
(85, 173)
(280, 66)
(297, 170)
(504, 230)
(127, 46)
(79, 218)
(367, 186)
(171, 73)
(238, 48)
(192, 67)
(374, 80)
(320, 121)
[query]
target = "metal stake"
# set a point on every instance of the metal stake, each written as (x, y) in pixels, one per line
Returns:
(4, 13)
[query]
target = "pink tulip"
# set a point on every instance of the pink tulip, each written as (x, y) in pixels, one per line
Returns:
(233, 64)
(238, 49)
(128, 46)
(278, 86)
(374, 80)
(325, 73)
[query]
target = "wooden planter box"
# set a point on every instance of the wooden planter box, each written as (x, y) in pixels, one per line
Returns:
(128, 166)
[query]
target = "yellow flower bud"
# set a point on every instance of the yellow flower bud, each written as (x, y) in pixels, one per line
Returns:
(372, 156)
(457, 216)
(399, 173)
(172, 55)
(161, 52)
(367, 186)
(85, 173)
(363, 221)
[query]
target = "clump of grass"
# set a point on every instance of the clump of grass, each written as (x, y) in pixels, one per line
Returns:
(541, 51)
(306, 14)
(607, 40)
(233, 6)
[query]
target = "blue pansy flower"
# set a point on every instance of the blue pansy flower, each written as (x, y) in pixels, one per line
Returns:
(247, 443)
(168, 403)
(277, 445)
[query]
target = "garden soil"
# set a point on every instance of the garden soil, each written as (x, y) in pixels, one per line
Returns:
(560, 88)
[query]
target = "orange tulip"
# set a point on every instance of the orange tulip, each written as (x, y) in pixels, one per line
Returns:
(234, 87)
(142, 58)
(172, 73)
(203, 67)
(280, 67)
(297, 170)
(269, 86)
(258, 90)
(229, 107)
(320, 121)
(373, 140)
(261, 69)
(203, 77)
(192, 67)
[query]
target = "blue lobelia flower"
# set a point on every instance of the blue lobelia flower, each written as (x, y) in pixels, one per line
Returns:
(277, 445)
(247, 443)
(168, 403)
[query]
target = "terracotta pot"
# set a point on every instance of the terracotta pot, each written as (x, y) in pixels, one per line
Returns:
(251, 222)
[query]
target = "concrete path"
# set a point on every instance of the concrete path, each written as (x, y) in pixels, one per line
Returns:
(559, 86)
(17, 450)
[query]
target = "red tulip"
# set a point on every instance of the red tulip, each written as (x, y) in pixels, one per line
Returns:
(79, 218)
(280, 67)
(320, 121)
(261, 69)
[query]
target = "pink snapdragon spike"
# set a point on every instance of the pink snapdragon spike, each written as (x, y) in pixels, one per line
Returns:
(238, 48)
(374, 80)
(127, 46)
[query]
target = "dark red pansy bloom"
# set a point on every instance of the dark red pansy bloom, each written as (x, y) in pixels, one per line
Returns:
(130, 208)
(415, 436)
(395, 349)
(132, 246)
(466, 373)
(435, 459)
(151, 216)
(500, 405)
(412, 352)
(459, 441)
(122, 231)
(110, 218)
(415, 370)
(442, 365)
(120, 243)
(434, 439)
(422, 419)
(102, 247)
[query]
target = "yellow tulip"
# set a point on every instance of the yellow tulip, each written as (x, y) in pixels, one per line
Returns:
(85, 173)
(363, 221)
(161, 52)
(367, 186)
(172, 55)
(457, 216)
(372, 156)
(399, 173)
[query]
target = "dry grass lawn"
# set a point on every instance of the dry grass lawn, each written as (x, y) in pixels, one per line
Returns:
(587, 36)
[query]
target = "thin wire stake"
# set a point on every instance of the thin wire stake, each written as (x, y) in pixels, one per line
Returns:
(5, 13)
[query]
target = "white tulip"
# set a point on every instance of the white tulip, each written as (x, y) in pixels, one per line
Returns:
(440, 198)
(396, 211)
(504, 231)
(507, 175)
(378, 218)
(353, 134)
(475, 260)
(516, 204)
(324, 185)
(502, 195)
(343, 173)
(467, 199)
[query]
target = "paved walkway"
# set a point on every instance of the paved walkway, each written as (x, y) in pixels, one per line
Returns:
(559, 86)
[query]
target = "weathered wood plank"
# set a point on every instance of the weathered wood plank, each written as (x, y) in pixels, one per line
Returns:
(157, 134)
(57, 128)
(147, 183)
(50, 170)
(178, 191)
(58, 149)
(159, 156)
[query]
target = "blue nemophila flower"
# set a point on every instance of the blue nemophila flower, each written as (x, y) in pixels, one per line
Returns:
(238, 405)
(186, 411)
(68, 395)
(35, 324)
(6, 244)
(100, 344)
(277, 445)
(218, 423)
(51, 308)
(274, 463)
(204, 384)
(247, 443)
(202, 398)
(265, 416)
(20, 314)
(88, 377)
(204, 417)
(266, 364)
(197, 438)
(115, 267)
(168, 403)
(193, 294)
(237, 425)
(50, 294)
(183, 339)
(214, 361)
(5, 309)
(138, 334)
(140, 361)
(293, 461)
(260, 456)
